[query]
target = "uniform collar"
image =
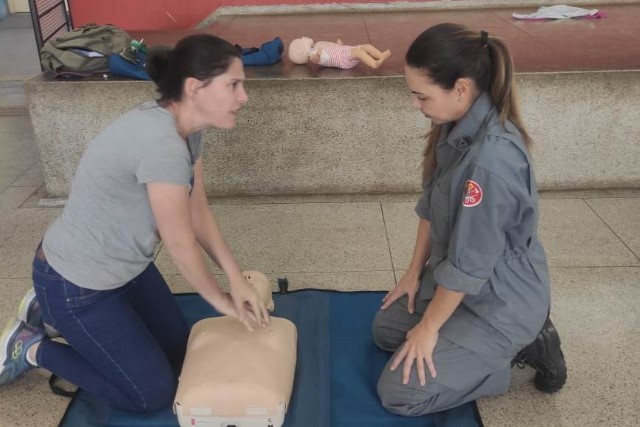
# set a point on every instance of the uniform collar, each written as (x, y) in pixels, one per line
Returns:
(462, 134)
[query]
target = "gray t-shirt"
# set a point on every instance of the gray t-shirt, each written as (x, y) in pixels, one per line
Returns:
(106, 234)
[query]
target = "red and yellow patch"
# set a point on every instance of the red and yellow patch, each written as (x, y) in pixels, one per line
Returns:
(472, 194)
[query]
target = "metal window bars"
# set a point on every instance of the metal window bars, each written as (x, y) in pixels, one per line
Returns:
(50, 19)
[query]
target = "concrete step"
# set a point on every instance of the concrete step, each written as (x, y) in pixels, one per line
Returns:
(313, 130)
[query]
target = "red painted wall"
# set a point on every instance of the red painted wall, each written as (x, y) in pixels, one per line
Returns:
(167, 14)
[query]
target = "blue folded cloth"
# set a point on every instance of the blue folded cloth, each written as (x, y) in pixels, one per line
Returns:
(268, 54)
(119, 66)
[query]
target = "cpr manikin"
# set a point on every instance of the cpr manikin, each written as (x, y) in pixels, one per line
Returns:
(234, 377)
(338, 55)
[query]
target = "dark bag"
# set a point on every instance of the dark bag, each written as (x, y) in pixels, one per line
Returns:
(85, 49)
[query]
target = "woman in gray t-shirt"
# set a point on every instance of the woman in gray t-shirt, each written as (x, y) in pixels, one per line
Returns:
(95, 281)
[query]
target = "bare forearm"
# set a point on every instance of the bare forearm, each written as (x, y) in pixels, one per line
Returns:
(422, 248)
(441, 307)
(210, 238)
(187, 257)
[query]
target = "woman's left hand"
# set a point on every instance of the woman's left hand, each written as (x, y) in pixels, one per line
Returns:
(421, 340)
(248, 305)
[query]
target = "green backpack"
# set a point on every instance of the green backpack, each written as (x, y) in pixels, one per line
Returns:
(85, 49)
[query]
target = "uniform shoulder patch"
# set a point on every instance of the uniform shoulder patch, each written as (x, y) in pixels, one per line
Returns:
(472, 194)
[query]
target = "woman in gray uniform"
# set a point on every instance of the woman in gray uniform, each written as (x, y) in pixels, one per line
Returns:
(475, 297)
(94, 277)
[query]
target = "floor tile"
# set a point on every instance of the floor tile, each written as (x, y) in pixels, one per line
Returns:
(18, 64)
(178, 285)
(595, 311)
(623, 216)
(33, 177)
(338, 281)
(21, 232)
(29, 402)
(12, 291)
(13, 197)
(23, 401)
(167, 267)
(317, 198)
(12, 97)
(574, 236)
(398, 273)
(305, 238)
(571, 233)
(16, 20)
(592, 194)
(18, 151)
(34, 200)
(401, 223)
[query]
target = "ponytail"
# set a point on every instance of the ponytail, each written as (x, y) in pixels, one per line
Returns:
(158, 68)
(504, 93)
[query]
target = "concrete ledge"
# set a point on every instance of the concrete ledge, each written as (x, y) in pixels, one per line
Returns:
(355, 135)
(397, 6)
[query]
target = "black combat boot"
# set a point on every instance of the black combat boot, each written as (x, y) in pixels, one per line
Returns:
(545, 356)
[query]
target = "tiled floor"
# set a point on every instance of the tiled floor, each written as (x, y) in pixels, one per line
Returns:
(364, 242)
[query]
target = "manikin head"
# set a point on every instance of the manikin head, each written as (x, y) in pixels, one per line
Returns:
(262, 286)
(299, 50)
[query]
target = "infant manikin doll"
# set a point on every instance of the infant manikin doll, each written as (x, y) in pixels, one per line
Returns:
(232, 376)
(338, 55)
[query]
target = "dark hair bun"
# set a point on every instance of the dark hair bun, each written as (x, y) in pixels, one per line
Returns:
(158, 63)
(201, 56)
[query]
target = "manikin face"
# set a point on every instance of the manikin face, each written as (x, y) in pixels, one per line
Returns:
(438, 104)
(261, 284)
(219, 102)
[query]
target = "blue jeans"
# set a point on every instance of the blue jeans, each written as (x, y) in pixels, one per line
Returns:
(125, 345)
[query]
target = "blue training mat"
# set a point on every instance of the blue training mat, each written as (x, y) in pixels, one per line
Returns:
(336, 373)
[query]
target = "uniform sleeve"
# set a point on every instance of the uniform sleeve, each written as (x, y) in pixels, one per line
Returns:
(422, 207)
(480, 219)
(168, 162)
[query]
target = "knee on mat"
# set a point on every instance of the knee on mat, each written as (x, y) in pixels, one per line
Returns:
(408, 404)
(405, 400)
(383, 336)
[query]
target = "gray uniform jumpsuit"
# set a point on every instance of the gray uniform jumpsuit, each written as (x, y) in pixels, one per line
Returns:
(483, 207)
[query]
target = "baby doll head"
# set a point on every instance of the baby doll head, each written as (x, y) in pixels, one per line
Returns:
(299, 50)
(262, 286)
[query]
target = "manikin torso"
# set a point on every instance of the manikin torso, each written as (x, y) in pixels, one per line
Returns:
(231, 372)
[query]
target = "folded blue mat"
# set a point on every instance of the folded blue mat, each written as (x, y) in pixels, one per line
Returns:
(336, 373)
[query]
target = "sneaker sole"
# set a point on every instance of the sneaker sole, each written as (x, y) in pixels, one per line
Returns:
(12, 326)
(23, 309)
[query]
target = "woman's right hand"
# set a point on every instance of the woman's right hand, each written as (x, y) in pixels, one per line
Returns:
(408, 285)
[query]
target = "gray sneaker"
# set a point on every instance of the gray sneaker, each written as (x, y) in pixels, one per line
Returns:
(29, 312)
(15, 341)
